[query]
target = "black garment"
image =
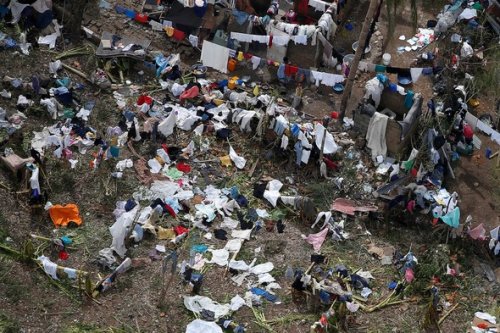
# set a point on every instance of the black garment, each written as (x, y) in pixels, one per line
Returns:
(317, 258)
(402, 72)
(297, 284)
(439, 141)
(342, 270)
(174, 152)
(36, 156)
(98, 142)
(220, 234)
(196, 281)
(130, 205)
(358, 282)
(223, 133)
(244, 223)
(252, 215)
(187, 274)
(280, 226)
(207, 315)
(259, 189)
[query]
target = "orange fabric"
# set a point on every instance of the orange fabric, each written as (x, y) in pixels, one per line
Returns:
(62, 215)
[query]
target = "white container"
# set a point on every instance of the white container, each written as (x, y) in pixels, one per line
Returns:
(348, 59)
(386, 59)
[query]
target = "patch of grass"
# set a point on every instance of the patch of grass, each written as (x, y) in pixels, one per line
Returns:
(65, 181)
(246, 254)
(13, 290)
(3, 232)
(8, 325)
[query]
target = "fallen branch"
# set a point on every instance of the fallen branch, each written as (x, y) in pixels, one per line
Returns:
(75, 52)
(260, 320)
(77, 72)
(447, 314)
(134, 152)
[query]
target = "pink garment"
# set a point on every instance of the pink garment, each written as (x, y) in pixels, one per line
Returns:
(478, 232)
(349, 207)
(192, 92)
(409, 275)
(316, 240)
(410, 206)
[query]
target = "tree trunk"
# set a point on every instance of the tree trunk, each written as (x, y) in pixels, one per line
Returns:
(73, 22)
(357, 57)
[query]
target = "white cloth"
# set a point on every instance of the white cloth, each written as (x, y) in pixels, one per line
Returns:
(119, 231)
(467, 14)
(242, 234)
(306, 153)
(326, 215)
(330, 145)
(49, 267)
(155, 25)
(233, 245)
(34, 182)
(70, 272)
(415, 74)
(243, 117)
(284, 142)
(302, 39)
(363, 66)
(198, 325)
(197, 304)
(17, 8)
(326, 23)
(193, 40)
(238, 160)
(166, 126)
(281, 40)
(318, 5)
(255, 62)
(327, 79)
(374, 89)
(248, 38)
(272, 193)
(375, 135)
(219, 257)
(214, 56)
(466, 51)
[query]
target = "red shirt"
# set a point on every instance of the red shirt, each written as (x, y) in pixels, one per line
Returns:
(468, 132)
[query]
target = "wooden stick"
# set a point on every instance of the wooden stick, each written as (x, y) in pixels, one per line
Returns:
(252, 170)
(77, 72)
(495, 154)
(5, 186)
(447, 314)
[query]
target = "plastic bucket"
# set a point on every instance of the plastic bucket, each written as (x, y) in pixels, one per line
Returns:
(231, 65)
(348, 59)
(386, 59)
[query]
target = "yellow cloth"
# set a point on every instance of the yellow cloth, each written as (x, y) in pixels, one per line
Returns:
(169, 31)
(165, 233)
(226, 160)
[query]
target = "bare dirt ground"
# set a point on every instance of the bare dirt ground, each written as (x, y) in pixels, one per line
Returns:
(29, 302)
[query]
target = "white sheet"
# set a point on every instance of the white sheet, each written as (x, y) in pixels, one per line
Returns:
(215, 56)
